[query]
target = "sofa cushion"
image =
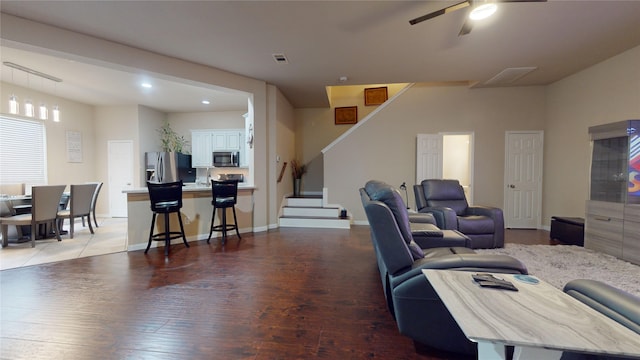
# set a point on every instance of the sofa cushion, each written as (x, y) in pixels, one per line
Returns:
(428, 230)
(475, 224)
(385, 193)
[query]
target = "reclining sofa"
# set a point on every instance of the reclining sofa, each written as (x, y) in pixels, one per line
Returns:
(614, 303)
(418, 311)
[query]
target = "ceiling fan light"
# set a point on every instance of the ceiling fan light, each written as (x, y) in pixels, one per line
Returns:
(483, 11)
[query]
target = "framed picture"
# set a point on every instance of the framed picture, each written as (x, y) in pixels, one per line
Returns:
(375, 96)
(346, 115)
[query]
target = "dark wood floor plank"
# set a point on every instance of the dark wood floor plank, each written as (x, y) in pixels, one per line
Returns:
(281, 294)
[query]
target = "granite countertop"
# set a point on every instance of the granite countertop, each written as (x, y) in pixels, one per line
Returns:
(188, 187)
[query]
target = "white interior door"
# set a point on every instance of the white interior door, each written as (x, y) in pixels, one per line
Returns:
(120, 167)
(429, 156)
(446, 156)
(523, 179)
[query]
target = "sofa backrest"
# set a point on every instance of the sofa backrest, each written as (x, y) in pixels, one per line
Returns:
(381, 191)
(445, 193)
(389, 244)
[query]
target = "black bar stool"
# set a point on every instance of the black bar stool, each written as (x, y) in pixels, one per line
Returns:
(225, 194)
(166, 199)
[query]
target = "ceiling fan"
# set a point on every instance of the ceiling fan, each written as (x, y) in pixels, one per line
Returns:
(481, 9)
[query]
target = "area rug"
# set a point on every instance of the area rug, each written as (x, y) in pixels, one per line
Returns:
(559, 264)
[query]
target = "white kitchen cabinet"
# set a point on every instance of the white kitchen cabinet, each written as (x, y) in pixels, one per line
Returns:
(205, 142)
(201, 148)
(226, 140)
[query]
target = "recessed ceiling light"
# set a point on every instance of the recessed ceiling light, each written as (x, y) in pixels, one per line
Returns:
(206, 102)
(146, 85)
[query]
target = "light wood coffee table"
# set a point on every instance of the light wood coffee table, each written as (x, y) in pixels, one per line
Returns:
(539, 320)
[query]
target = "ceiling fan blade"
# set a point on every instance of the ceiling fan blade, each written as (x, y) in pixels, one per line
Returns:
(466, 27)
(448, 9)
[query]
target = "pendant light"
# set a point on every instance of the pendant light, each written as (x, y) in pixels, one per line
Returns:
(56, 113)
(28, 108)
(14, 106)
(43, 112)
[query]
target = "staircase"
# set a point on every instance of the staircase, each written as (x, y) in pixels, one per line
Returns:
(311, 212)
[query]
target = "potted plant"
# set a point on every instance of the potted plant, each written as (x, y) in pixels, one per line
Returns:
(171, 140)
(297, 170)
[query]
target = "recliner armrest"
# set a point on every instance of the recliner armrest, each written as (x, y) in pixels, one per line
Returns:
(464, 262)
(498, 221)
(446, 218)
(489, 211)
(422, 218)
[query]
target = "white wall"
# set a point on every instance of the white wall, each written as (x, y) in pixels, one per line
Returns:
(114, 123)
(284, 148)
(74, 117)
(384, 147)
(316, 128)
(604, 93)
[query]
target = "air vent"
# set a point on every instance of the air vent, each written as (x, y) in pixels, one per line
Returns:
(509, 75)
(280, 58)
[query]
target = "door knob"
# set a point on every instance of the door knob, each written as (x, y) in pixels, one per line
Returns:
(512, 186)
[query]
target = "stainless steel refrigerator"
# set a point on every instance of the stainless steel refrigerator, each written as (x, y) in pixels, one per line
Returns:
(165, 167)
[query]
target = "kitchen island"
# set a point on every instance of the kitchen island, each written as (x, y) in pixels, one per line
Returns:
(196, 215)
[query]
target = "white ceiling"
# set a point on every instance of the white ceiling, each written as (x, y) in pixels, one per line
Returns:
(370, 42)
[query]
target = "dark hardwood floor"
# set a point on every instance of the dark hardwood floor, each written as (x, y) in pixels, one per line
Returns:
(283, 294)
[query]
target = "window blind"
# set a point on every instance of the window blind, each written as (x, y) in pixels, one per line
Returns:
(22, 152)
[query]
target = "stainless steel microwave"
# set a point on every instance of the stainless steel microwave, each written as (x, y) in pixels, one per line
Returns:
(226, 158)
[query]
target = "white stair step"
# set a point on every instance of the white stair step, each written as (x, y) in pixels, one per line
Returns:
(305, 201)
(315, 223)
(311, 212)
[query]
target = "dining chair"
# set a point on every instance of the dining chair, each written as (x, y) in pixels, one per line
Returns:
(225, 195)
(165, 198)
(6, 210)
(12, 189)
(94, 200)
(44, 210)
(80, 205)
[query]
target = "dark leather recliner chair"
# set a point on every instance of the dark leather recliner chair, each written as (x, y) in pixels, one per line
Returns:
(445, 199)
(418, 311)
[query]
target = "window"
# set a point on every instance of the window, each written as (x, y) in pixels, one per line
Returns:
(22, 152)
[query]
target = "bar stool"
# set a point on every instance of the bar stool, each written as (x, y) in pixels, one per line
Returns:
(225, 194)
(166, 199)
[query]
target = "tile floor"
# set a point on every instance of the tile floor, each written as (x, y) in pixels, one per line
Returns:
(110, 237)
